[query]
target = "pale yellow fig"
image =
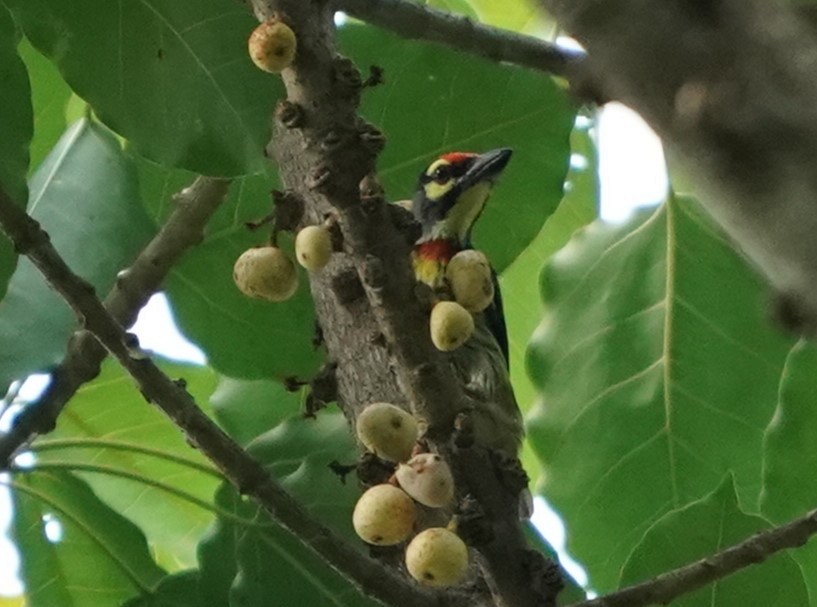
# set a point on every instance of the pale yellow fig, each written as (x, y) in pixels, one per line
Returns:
(384, 515)
(266, 273)
(313, 247)
(469, 276)
(427, 478)
(387, 431)
(437, 557)
(272, 45)
(451, 325)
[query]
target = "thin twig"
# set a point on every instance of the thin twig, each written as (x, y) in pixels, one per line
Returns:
(420, 21)
(243, 471)
(666, 587)
(194, 206)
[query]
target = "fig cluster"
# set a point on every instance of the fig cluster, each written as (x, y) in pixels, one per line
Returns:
(267, 272)
(471, 283)
(387, 514)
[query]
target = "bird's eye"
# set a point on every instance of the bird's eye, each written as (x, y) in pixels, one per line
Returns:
(442, 174)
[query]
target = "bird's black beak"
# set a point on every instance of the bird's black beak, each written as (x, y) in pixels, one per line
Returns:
(486, 167)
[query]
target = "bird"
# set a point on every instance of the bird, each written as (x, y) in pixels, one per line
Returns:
(450, 196)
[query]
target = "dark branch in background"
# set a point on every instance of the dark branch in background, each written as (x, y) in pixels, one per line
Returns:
(184, 228)
(668, 586)
(419, 21)
(244, 472)
(328, 158)
(730, 88)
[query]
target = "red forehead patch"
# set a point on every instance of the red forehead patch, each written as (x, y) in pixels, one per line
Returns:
(457, 157)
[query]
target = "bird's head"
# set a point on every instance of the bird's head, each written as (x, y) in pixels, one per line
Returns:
(452, 191)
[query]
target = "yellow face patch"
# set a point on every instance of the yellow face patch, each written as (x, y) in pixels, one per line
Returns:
(435, 190)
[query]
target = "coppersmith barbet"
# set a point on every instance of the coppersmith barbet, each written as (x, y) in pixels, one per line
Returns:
(449, 199)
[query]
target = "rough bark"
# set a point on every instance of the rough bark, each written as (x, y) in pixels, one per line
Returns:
(326, 155)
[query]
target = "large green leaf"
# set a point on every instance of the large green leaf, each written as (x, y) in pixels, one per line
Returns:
(86, 196)
(177, 590)
(658, 373)
(137, 461)
(789, 486)
(172, 77)
(436, 100)
(520, 281)
(462, 7)
(298, 452)
(703, 528)
(264, 561)
(247, 409)
(49, 95)
(17, 124)
(101, 558)
(517, 15)
(16, 127)
(217, 565)
(242, 337)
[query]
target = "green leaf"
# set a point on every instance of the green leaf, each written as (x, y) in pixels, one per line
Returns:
(101, 558)
(789, 486)
(247, 409)
(217, 549)
(49, 95)
(86, 197)
(177, 590)
(136, 460)
(298, 453)
(15, 133)
(174, 78)
(703, 528)
(434, 101)
(271, 562)
(462, 7)
(242, 337)
(17, 126)
(520, 281)
(517, 15)
(638, 415)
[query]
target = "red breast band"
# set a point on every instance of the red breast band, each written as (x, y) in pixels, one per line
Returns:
(436, 250)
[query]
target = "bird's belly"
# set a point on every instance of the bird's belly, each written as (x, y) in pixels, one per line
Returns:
(481, 367)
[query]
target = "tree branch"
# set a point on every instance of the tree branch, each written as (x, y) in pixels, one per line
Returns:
(194, 206)
(729, 86)
(420, 21)
(328, 157)
(668, 586)
(244, 472)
